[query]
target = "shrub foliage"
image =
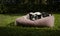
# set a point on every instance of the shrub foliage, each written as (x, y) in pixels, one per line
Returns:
(25, 6)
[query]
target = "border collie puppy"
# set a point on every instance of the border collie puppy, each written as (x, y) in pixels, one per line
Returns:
(34, 16)
(38, 15)
(44, 14)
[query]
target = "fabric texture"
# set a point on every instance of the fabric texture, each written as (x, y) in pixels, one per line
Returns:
(47, 21)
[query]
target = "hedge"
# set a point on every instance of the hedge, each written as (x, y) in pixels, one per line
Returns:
(18, 7)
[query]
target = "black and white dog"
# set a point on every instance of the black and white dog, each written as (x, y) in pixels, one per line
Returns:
(45, 14)
(38, 15)
(34, 16)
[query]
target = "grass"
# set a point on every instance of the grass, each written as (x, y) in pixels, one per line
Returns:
(8, 29)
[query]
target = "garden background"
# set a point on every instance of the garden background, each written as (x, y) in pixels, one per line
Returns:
(12, 9)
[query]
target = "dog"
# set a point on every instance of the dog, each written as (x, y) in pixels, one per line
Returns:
(45, 14)
(34, 16)
(38, 15)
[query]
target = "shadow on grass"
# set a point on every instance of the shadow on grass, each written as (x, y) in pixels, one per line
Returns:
(17, 31)
(30, 26)
(28, 31)
(11, 24)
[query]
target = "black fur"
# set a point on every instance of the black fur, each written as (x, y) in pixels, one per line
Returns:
(36, 16)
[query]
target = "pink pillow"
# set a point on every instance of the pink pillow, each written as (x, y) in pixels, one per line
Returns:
(47, 21)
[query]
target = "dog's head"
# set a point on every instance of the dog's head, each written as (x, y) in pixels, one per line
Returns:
(34, 16)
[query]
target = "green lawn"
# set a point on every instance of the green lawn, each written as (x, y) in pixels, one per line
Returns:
(7, 27)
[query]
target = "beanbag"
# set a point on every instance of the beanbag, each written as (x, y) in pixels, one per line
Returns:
(24, 20)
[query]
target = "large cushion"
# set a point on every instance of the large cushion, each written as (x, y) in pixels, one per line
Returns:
(47, 21)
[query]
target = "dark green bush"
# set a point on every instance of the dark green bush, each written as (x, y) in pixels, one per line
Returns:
(19, 6)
